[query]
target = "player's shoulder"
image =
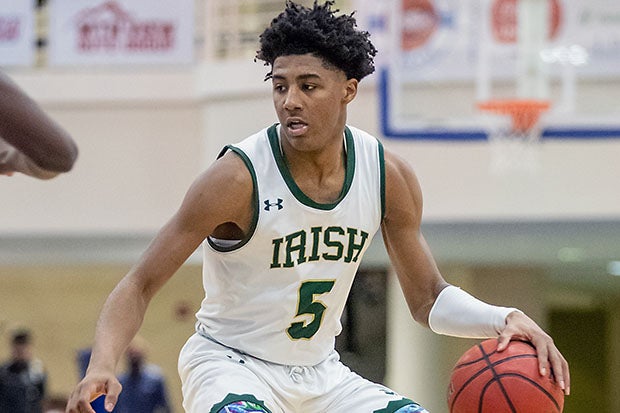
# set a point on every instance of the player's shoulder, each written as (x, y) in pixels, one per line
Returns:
(361, 134)
(257, 140)
(229, 178)
(396, 163)
(228, 172)
(234, 156)
(400, 178)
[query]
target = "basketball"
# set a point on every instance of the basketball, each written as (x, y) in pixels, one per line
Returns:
(487, 381)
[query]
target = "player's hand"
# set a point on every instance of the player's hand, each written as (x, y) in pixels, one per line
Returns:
(91, 387)
(519, 326)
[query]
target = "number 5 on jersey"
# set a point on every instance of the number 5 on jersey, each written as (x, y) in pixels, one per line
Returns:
(308, 305)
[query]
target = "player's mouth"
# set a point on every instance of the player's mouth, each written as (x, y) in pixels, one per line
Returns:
(296, 127)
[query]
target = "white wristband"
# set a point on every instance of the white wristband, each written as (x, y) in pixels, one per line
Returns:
(457, 313)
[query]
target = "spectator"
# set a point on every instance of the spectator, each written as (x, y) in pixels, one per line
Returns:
(22, 378)
(144, 388)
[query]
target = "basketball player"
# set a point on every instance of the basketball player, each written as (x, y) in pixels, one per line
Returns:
(30, 141)
(284, 217)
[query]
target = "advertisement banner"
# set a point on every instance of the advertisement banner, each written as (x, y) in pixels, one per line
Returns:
(120, 32)
(435, 40)
(444, 40)
(17, 37)
(589, 38)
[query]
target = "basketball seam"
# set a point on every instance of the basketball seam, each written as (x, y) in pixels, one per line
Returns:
(495, 363)
(496, 377)
(536, 384)
(483, 370)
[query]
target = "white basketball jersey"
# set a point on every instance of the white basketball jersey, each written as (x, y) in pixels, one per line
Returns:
(278, 294)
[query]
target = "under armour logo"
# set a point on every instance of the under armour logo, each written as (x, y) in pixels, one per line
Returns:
(269, 204)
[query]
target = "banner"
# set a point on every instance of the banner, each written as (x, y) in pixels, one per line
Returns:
(589, 38)
(17, 38)
(443, 40)
(121, 32)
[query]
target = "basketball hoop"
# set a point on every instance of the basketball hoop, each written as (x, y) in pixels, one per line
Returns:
(514, 132)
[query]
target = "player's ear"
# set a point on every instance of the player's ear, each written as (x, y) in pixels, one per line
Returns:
(350, 90)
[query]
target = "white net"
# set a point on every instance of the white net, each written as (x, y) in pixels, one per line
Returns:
(514, 133)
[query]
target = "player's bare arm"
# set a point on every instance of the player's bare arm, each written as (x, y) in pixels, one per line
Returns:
(26, 127)
(421, 280)
(219, 199)
(417, 272)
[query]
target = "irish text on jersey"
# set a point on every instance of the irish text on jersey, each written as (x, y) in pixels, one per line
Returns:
(331, 244)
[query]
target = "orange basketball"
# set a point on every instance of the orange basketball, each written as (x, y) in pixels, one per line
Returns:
(487, 381)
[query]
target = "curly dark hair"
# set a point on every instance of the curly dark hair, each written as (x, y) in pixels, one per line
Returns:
(317, 30)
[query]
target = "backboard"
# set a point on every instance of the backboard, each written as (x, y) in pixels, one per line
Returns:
(440, 58)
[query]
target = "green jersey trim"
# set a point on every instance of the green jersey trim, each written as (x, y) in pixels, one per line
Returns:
(274, 141)
(248, 164)
(394, 405)
(382, 177)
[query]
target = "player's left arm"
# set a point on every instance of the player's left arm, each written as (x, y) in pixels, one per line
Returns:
(433, 302)
(409, 254)
(39, 146)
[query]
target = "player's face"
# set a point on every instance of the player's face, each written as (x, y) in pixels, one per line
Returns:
(310, 99)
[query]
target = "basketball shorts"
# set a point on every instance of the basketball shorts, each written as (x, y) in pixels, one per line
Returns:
(216, 379)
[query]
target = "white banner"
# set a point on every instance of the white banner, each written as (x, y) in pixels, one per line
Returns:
(434, 39)
(17, 39)
(442, 40)
(121, 32)
(589, 38)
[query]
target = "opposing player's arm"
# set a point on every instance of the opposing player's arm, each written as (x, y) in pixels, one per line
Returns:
(42, 147)
(413, 262)
(222, 194)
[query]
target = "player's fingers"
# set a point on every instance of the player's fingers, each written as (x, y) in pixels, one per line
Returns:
(114, 389)
(543, 359)
(502, 342)
(80, 399)
(85, 407)
(561, 371)
(79, 406)
(566, 378)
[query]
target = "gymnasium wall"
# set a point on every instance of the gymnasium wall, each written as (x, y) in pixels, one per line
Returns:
(144, 136)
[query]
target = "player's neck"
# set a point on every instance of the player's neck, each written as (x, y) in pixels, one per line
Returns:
(319, 174)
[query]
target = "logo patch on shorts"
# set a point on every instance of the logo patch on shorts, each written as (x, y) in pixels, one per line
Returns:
(240, 403)
(242, 407)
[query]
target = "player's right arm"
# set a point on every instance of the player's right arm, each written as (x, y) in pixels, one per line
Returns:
(39, 147)
(219, 197)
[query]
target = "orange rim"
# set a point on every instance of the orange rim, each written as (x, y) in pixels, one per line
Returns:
(524, 112)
